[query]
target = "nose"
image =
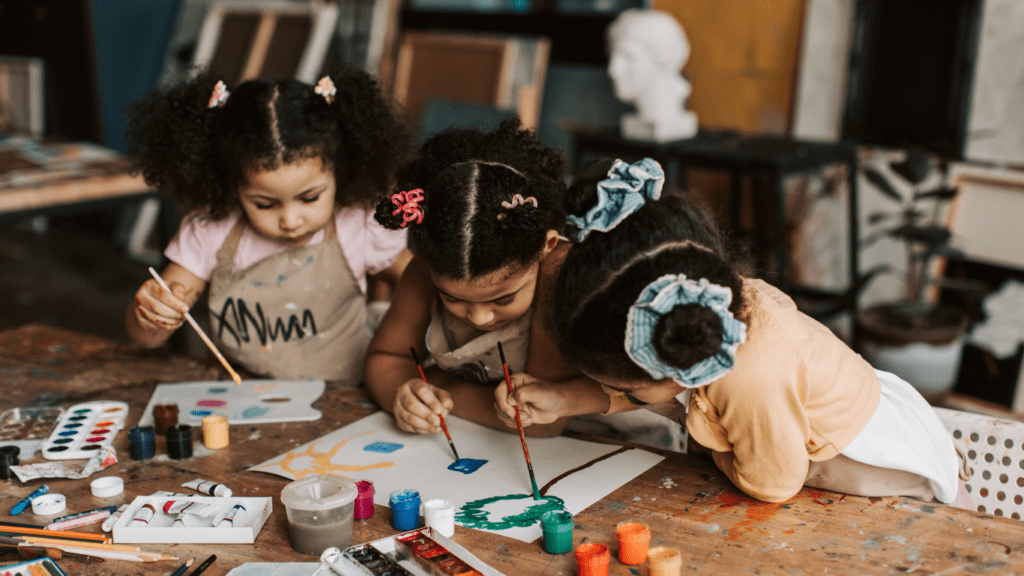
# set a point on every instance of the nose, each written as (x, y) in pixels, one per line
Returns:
(480, 315)
(290, 220)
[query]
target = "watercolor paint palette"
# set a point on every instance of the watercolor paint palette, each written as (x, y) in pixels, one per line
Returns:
(84, 429)
(254, 402)
(422, 552)
(27, 428)
(34, 568)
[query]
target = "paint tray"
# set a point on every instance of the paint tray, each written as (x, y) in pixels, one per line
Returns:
(22, 569)
(376, 557)
(28, 428)
(160, 529)
(252, 402)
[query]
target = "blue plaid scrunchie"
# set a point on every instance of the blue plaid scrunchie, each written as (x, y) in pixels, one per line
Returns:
(623, 192)
(656, 300)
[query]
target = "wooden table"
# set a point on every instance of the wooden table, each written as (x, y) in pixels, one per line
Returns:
(686, 502)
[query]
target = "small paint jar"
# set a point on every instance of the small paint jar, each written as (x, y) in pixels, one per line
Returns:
(557, 528)
(179, 441)
(592, 560)
(405, 509)
(664, 561)
(633, 540)
(164, 416)
(141, 442)
(8, 457)
(364, 501)
(440, 515)
(215, 431)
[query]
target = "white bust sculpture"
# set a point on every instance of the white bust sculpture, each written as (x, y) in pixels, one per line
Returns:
(648, 50)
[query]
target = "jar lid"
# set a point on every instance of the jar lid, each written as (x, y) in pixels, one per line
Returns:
(107, 486)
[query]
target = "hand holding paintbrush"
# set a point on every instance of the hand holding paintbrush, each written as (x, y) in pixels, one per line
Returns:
(519, 424)
(444, 426)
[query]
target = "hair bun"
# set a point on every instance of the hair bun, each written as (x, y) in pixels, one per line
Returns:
(687, 334)
(522, 218)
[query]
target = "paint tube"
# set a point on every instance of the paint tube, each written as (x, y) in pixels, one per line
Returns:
(186, 506)
(143, 516)
(108, 524)
(207, 487)
(186, 520)
(229, 518)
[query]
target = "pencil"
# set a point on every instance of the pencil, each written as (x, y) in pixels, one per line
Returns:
(206, 339)
(184, 567)
(63, 534)
(206, 564)
(519, 424)
(443, 425)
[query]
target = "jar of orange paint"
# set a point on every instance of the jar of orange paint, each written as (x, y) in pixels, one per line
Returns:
(592, 560)
(633, 541)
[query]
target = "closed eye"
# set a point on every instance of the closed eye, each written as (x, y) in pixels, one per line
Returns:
(634, 400)
(311, 199)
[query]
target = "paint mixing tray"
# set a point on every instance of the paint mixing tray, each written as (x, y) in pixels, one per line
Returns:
(27, 428)
(85, 429)
(252, 402)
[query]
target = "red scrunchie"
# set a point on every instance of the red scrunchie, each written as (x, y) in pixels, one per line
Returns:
(409, 205)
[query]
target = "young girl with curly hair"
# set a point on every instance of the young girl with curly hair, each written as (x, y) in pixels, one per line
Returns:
(650, 304)
(484, 212)
(279, 178)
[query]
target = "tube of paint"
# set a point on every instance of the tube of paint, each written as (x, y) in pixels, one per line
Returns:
(189, 506)
(186, 520)
(108, 524)
(208, 487)
(143, 516)
(229, 518)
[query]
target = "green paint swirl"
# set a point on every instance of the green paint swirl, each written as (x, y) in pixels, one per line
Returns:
(473, 515)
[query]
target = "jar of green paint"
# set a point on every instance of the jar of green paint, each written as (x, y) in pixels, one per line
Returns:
(557, 528)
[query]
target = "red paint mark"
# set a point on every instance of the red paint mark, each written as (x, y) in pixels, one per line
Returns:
(790, 531)
(211, 403)
(756, 512)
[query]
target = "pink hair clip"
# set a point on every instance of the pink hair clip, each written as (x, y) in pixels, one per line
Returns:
(325, 87)
(518, 200)
(219, 96)
(409, 205)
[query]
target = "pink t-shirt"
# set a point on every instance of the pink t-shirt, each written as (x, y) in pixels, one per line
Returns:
(368, 246)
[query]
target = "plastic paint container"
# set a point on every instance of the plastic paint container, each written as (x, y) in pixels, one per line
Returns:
(557, 527)
(215, 432)
(364, 501)
(8, 457)
(164, 416)
(319, 510)
(633, 540)
(440, 515)
(179, 441)
(405, 509)
(142, 442)
(664, 561)
(592, 560)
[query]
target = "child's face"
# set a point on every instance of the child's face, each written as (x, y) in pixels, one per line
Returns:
(492, 301)
(289, 204)
(645, 391)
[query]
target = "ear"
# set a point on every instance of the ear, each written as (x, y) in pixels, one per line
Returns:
(550, 241)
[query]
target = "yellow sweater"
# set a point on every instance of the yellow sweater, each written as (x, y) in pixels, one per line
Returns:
(796, 394)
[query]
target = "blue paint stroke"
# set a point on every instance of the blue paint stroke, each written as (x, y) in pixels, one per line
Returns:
(217, 390)
(466, 465)
(383, 447)
(254, 411)
(201, 413)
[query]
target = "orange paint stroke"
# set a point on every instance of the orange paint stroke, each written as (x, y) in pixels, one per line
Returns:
(322, 461)
(757, 512)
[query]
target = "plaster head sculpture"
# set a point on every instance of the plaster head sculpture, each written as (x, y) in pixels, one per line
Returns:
(648, 50)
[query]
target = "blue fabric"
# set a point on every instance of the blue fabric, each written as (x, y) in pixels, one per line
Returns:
(656, 300)
(624, 191)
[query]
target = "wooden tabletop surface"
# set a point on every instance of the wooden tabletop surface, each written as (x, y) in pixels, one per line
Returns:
(686, 502)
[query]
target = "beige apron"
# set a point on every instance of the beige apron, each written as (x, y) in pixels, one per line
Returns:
(478, 360)
(299, 314)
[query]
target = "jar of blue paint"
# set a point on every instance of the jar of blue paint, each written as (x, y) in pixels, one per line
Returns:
(405, 509)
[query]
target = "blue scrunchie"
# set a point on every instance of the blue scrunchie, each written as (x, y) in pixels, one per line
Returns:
(623, 192)
(656, 300)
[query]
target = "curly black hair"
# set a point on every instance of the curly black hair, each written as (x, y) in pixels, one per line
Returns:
(602, 277)
(473, 223)
(201, 155)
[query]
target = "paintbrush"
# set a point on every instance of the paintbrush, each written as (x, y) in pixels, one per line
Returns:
(519, 424)
(206, 339)
(443, 425)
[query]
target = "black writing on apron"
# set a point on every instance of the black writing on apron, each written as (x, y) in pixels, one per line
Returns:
(235, 317)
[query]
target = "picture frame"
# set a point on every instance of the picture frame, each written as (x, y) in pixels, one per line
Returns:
(21, 95)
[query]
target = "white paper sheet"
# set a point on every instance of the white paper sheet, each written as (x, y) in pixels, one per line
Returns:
(420, 462)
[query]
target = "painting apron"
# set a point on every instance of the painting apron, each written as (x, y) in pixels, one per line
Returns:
(299, 314)
(478, 359)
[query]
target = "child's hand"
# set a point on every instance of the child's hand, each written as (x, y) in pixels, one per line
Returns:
(539, 402)
(419, 407)
(158, 309)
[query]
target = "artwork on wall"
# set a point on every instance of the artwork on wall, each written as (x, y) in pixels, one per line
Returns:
(490, 486)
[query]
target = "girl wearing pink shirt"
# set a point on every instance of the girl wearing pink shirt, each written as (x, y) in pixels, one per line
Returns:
(279, 178)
